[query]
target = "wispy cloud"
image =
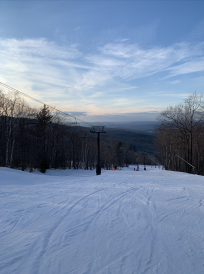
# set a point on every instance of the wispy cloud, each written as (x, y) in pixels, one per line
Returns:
(173, 95)
(122, 40)
(127, 88)
(187, 67)
(140, 35)
(40, 47)
(96, 95)
(62, 72)
(125, 101)
(77, 28)
(129, 61)
(174, 82)
(36, 62)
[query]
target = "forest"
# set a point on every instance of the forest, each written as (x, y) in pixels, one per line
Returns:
(42, 138)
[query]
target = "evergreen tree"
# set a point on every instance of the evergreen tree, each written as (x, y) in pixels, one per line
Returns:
(44, 118)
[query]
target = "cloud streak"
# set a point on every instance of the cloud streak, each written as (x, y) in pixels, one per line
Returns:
(63, 72)
(129, 61)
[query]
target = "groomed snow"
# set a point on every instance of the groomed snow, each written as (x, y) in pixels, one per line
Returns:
(72, 221)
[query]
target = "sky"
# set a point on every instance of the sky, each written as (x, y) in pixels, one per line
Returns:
(104, 60)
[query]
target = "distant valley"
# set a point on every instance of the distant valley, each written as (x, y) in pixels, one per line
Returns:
(140, 135)
(136, 126)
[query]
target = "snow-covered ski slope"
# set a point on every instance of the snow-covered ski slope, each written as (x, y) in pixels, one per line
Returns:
(120, 222)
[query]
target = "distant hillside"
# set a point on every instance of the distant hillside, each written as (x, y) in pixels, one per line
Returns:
(136, 126)
(140, 135)
(139, 141)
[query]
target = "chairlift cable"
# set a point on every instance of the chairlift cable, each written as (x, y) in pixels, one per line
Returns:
(38, 101)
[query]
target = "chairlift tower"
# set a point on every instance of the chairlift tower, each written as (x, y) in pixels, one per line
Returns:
(98, 130)
(144, 155)
(137, 163)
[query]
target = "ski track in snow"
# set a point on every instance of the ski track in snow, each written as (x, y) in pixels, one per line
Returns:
(119, 222)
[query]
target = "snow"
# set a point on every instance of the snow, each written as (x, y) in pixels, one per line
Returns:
(123, 221)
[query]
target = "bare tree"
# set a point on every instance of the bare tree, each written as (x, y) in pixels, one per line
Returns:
(179, 132)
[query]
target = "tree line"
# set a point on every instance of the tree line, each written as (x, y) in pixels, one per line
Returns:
(180, 136)
(32, 138)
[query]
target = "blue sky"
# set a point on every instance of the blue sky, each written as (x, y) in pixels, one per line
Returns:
(104, 60)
